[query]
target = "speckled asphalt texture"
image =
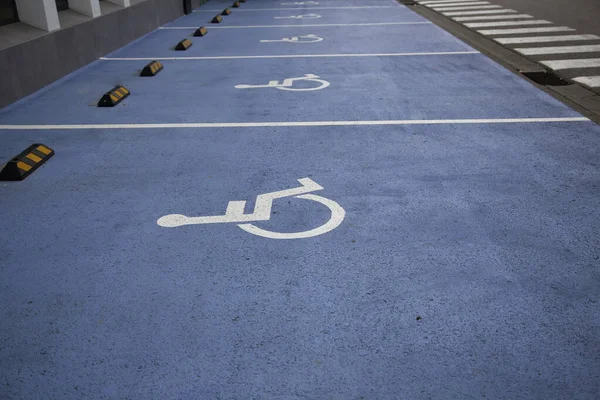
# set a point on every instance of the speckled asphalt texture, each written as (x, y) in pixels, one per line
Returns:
(467, 265)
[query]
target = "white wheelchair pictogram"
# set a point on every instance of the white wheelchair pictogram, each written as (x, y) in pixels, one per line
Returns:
(301, 3)
(288, 83)
(304, 16)
(310, 38)
(262, 212)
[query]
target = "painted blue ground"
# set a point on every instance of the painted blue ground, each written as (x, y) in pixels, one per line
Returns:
(336, 40)
(488, 232)
(269, 4)
(425, 87)
(342, 16)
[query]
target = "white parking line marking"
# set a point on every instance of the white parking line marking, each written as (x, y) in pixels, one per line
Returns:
(488, 12)
(301, 8)
(440, 53)
(525, 30)
(472, 3)
(532, 51)
(506, 23)
(572, 64)
(299, 123)
(589, 81)
(491, 17)
(465, 8)
(545, 39)
(301, 26)
(443, 1)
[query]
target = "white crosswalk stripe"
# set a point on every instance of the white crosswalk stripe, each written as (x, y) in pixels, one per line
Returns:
(572, 64)
(532, 51)
(546, 39)
(506, 23)
(589, 81)
(491, 17)
(499, 21)
(525, 30)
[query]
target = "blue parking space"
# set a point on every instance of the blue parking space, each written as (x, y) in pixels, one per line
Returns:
(425, 87)
(298, 17)
(299, 4)
(451, 224)
(416, 37)
(418, 223)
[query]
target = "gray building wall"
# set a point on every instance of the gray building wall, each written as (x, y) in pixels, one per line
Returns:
(30, 66)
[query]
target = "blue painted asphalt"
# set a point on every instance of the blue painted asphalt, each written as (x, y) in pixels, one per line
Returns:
(345, 16)
(269, 4)
(417, 37)
(426, 87)
(488, 232)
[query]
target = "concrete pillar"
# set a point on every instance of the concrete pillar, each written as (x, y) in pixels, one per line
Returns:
(122, 3)
(39, 13)
(90, 8)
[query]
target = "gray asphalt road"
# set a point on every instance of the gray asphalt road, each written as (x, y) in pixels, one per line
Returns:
(583, 15)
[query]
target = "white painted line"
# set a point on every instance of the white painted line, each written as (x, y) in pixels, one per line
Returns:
(532, 51)
(299, 26)
(506, 23)
(572, 64)
(299, 8)
(545, 39)
(293, 124)
(525, 30)
(443, 1)
(491, 17)
(589, 81)
(441, 53)
(455, 4)
(488, 12)
(465, 8)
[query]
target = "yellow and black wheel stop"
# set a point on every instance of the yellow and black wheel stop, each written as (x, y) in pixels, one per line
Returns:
(21, 166)
(113, 97)
(152, 69)
(184, 44)
(201, 31)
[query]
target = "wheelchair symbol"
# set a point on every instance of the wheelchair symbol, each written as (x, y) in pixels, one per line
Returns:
(305, 16)
(311, 38)
(301, 3)
(262, 212)
(289, 82)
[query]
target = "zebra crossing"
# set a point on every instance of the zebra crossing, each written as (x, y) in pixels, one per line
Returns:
(575, 55)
